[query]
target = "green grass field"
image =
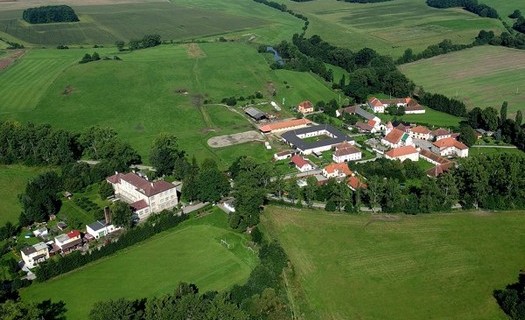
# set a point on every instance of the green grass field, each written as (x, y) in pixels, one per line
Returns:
(107, 22)
(430, 117)
(506, 7)
(477, 151)
(482, 76)
(13, 180)
(140, 95)
(191, 252)
(390, 27)
(439, 266)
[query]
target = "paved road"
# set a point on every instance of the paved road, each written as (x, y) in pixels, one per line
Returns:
(493, 146)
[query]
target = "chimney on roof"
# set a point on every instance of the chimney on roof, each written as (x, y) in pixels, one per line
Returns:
(151, 184)
(107, 215)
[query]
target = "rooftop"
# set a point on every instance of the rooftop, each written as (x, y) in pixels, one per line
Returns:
(432, 156)
(299, 161)
(421, 130)
(401, 151)
(440, 132)
(344, 149)
(97, 225)
(340, 167)
(450, 142)
(254, 113)
(394, 136)
(292, 137)
(355, 183)
(148, 188)
(284, 124)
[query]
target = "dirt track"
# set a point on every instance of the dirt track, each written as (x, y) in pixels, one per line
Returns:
(233, 139)
(11, 57)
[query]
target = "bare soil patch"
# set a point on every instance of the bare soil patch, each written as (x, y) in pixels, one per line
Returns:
(8, 60)
(68, 90)
(233, 139)
(194, 51)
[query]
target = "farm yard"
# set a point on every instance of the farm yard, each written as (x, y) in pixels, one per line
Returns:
(390, 27)
(481, 77)
(380, 267)
(13, 179)
(193, 252)
(150, 91)
(104, 22)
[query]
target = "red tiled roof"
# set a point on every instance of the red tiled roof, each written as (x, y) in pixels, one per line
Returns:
(299, 161)
(284, 124)
(139, 205)
(144, 186)
(440, 132)
(401, 151)
(305, 105)
(344, 149)
(394, 136)
(371, 123)
(341, 167)
(73, 234)
(450, 142)
(349, 109)
(413, 106)
(432, 156)
(420, 130)
(364, 126)
(355, 183)
(439, 169)
(374, 102)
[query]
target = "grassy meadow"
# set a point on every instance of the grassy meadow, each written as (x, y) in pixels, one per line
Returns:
(13, 180)
(191, 252)
(150, 91)
(439, 266)
(430, 117)
(473, 151)
(105, 23)
(390, 27)
(481, 77)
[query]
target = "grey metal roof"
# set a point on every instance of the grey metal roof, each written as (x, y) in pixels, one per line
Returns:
(254, 113)
(292, 137)
(97, 225)
(365, 114)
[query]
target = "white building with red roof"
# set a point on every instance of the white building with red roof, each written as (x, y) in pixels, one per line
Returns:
(301, 163)
(355, 183)
(144, 196)
(403, 153)
(376, 105)
(337, 170)
(305, 107)
(450, 147)
(397, 138)
(420, 132)
(441, 133)
(69, 241)
(345, 152)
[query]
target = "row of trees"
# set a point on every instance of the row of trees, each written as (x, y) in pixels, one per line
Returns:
(445, 46)
(148, 41)
(519, 24)
(506, 39)
(442, 103)
(90, 57)
(50, 14)
(154, 225)
(473, 6)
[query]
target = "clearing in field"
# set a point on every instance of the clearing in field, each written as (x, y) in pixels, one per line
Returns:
(390, 27)
(13, 180)
(481, 77)
(439, 266)
(233, 139)
(141, 96)
(194, 252)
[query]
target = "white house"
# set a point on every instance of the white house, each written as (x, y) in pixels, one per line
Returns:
(145, 197)
(69, 241)
(403, 153)
(441, 133)
(100, 229)
(420, 132)
(450, 147)
(397, 138)
(35, 254)
(376, 105)
(337, 170)
(301, 163)
(305, 107)
(346, 152)
(283, 155)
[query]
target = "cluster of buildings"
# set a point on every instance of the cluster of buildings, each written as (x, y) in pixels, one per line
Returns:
(410, 105)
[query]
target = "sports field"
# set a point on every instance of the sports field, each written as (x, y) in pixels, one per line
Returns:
(192, 253)
(13, 180)
(104, 22)
(439, 266)
(390, 27)
(151, 91)
(482, 76)
(431, 117)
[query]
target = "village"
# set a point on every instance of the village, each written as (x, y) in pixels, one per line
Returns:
(313, 149)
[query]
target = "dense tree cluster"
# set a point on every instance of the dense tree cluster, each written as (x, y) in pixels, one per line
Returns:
(101, 143)
(251, 182)
(20, 310)
(206, 183)
(443, 47)
(369, 71)
(473, 6)
(519, 24)
(442, 103)
(154, 225)
(512, 299)
(184, 303)
(506, 39)
(50, 14)
(90, 57)
(40, 199)
(148, 41)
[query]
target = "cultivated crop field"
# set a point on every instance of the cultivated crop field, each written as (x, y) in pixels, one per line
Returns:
(439, 266)
(191, 252)
(390, 27)
(151, 91)
(482, 76)
(106, 22)
(13, 180)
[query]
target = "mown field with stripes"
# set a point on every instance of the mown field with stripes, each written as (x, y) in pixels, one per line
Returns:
(439, 266)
